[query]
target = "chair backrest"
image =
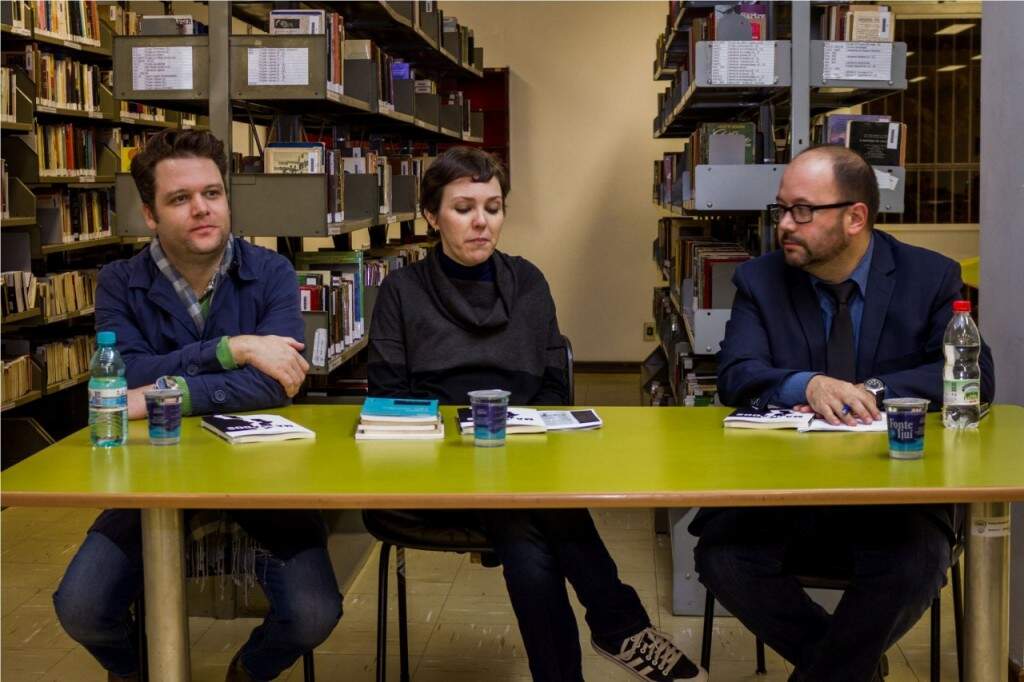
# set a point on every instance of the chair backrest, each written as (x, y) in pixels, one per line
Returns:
(570, 370)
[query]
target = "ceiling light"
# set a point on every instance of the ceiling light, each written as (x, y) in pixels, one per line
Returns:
(953, 29)
(918, 79)
(976, 58)
(951, 67)
(911, 53)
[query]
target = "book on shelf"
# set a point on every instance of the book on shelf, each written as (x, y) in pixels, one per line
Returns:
(880, 143)
(8, 94)
(66, 83)
(730, 143)
(124, 22)
(67, 293)
(17, 378)
(5, 206)
(255, 428)
(73, 20)
(294, 157)
(425, 86)
(297, 21)
(67, 216)
(20, 291)
(332, 284)
(316, 22)
(860, 23)
(16, 13)
(171, 25)
(67, 359)
(400, 419)
(781, 418)
(832, 129)
(531, 420)
(66, 149)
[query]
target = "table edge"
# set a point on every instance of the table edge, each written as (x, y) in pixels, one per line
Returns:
(715, 498)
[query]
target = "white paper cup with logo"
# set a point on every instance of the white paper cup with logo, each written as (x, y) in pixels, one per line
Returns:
(490, 413)
(905, 417)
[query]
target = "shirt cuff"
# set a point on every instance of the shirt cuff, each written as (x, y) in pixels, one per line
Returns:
(186, 395)
(793, 390)
(224, 356)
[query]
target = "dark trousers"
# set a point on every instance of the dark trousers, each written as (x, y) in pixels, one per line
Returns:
(541, 549)
(895, 557)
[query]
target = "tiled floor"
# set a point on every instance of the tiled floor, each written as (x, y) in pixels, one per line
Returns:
(462, 628)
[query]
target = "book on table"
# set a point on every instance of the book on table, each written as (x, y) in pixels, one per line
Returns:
(254, 428)
(781, 418)
(400, 419)
(530, 420)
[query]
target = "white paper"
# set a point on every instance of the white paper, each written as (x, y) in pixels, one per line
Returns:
(278, 66)
(162, 68)
(886, 180)
(742, 62)
(320, 347)
(857, 61)
(819, 424)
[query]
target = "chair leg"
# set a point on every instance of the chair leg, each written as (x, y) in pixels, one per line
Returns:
(936, 640)
(759, 647)
(705, 638)
(958, 617)
(308, 671)
(403, 619)
(382, 612)
(140, 622)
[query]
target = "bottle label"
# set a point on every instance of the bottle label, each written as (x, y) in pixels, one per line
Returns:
(961, 392)
(108, 398)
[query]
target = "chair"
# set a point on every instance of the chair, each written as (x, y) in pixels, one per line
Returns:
(430, 530)
(829, 583)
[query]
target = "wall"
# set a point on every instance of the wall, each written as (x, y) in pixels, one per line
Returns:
(1002, 241)
(582, 100)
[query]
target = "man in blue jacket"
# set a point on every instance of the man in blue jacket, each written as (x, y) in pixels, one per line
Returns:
(838, 314)
(218, 318)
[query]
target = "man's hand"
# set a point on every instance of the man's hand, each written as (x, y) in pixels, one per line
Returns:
(278, 357)
(839, 401)
(137, 401)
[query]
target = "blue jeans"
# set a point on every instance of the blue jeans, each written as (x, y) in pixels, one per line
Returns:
(540, 549)
(895, 558)
(103, 580)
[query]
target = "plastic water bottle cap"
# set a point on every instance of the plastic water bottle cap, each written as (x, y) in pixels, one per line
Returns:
(106, 338)
(961, 306)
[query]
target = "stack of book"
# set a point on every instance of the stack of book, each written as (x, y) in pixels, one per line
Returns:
(17, 378)
(67, 359)
(879, 139)
(860, 23)
(65, 83)
(66, 217)
(76, 20)
(67, 293)
(18, 291)
(400, 419)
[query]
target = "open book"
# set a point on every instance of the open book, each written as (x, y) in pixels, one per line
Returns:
(254, 428)
(529, 420)
(778, 418)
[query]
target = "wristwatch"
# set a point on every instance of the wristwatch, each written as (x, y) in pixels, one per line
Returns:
(876, 388)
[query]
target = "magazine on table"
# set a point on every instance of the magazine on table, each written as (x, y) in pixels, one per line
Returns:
(781, 418)
(530, 420)
(254, 428)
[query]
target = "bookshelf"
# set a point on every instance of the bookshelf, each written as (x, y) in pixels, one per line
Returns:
(780, 82)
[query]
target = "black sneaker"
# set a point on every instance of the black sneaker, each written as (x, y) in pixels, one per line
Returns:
(651, 655)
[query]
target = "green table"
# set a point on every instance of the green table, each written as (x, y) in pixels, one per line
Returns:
(642, 457)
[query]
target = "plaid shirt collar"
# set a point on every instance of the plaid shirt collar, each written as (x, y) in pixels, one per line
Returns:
(182, 288)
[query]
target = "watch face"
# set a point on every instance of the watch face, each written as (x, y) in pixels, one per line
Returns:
(874, 385)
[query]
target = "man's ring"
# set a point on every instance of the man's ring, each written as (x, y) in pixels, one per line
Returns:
(846, 409)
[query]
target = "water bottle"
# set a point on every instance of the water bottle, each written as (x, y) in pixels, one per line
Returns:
(108, 394)
(961, 377)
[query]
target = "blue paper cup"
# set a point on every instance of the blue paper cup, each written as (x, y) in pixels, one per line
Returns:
(905, 417)
(163, 407)
(490, 413)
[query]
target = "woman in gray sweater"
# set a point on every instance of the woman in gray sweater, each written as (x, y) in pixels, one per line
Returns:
(470, 317)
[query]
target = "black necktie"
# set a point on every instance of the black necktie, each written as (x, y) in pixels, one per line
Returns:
(842, 360)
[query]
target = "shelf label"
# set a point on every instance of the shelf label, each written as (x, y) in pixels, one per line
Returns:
(278, 66)
(162, 68)
(857, 61)
(886, 181)
(742, 62)
(72, 44)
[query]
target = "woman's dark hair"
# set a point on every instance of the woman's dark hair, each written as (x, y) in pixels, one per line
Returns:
(174, 144)
(853, 175)
(455, 163)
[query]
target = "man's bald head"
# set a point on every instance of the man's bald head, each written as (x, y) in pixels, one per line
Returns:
(853, 177)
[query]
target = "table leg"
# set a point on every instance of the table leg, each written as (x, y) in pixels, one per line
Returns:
(987, 593)
(163, 556)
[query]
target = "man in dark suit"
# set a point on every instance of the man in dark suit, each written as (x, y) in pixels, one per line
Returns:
(838, 311)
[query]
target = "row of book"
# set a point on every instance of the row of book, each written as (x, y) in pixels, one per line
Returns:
(19, 291)
(67, 359)
(67, 293)
(400, 419)
(8, 95)
(691, 378)
(727, 21)
(74, 215)
(67, 83)
(859, 23)
(317, 22)
(17, 14)
(879, 139)
(76, 20)
(17, 378)
(711, 143)
(5, 204)
(66, 149)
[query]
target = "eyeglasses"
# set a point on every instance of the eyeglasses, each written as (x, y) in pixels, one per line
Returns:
(802, 213)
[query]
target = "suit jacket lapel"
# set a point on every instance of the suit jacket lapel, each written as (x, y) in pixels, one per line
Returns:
(808, 311)
(876, 305)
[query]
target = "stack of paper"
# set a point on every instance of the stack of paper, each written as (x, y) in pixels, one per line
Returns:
(529, 420)
(399, 419)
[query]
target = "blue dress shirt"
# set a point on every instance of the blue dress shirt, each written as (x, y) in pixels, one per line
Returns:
(793, 391)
